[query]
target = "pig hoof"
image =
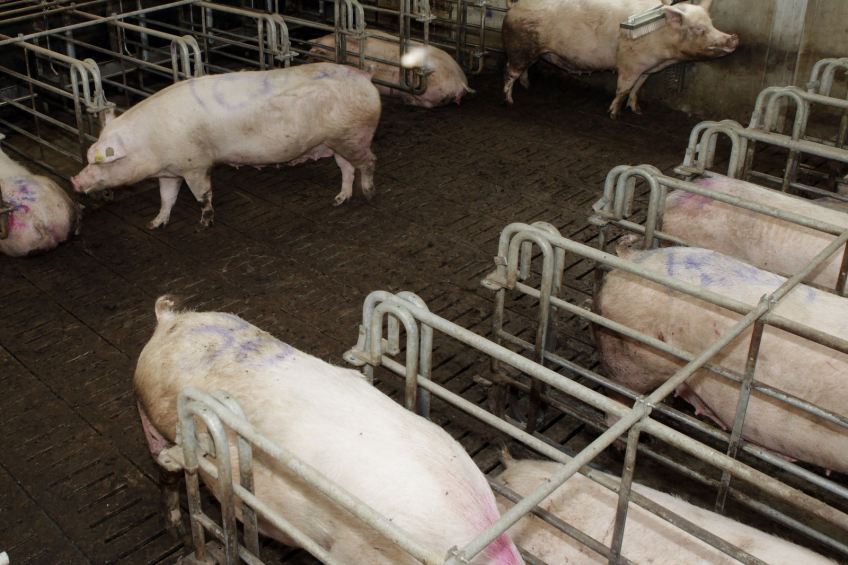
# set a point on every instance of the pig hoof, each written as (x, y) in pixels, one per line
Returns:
(205, 226)
(155, 225)
(369, 196)
(341, 200)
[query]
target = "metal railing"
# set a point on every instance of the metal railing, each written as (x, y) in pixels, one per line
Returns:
(764, 127)
(617, 203)
(513, 266)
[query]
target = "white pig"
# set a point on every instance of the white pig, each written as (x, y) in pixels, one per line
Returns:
(247, 118)
(584, 36)
(45, 216)
(447, 83)
(764, 241)
(787, 362)
(400, 464)
(591, 508)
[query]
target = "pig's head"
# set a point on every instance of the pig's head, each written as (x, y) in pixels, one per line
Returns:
(695, 37)
(107, 166)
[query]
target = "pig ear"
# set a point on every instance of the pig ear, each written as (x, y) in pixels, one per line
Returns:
(705, 4)
(674, 17)
(106, 151)
(107, 116)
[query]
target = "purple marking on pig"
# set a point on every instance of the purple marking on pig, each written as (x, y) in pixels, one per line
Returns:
(193, 88)
(323, 74)
(220, 97)
(250, 347)
(225, 333)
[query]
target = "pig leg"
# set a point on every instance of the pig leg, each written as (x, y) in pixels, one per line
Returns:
(355, 152)
(169, 188)
(169, 481)
(510, 75)
(200, 183)
(347, 180)
(632, 101)
(626, 81)
(524, 80)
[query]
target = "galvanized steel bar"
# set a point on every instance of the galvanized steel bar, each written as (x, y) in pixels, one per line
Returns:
(579, 391)
(317, 480)
(114, 17)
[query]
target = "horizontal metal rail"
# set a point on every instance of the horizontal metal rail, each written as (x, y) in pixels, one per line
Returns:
(506, 277)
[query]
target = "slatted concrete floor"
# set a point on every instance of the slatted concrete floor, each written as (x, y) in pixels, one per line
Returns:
(77, 484)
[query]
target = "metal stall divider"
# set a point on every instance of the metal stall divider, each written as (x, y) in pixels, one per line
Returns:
(617, 202)
(184, 53)
(764, 127)
(85, 78)
(219, 409)
(507, 276)
(85, 90)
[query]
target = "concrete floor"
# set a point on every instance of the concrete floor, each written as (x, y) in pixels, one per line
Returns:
(76, 478)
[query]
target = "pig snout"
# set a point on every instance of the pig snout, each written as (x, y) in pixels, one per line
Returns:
(728, 44)
(86, 181)
(78, 184)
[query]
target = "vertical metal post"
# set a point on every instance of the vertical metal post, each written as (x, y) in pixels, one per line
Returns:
(741, 408)
(189, 429)
(624, 495)
(843, 273)
(245, 457)
(500, 389)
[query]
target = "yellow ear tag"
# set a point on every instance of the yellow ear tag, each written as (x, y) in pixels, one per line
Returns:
(98, 158)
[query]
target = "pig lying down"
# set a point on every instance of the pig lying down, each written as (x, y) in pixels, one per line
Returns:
(591, 508)
(447, 83)
(400, 464)
(584, 36)
(45, 215)
(787, 362)
(767, 242)
(247, 118)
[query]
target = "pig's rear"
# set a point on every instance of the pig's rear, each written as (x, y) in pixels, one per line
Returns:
(403, 466)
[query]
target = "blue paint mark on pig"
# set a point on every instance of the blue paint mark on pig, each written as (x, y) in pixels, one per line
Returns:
(220, 95)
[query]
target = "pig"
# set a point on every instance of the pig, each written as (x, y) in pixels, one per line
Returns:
(246, 118)
(786, 362)
(584, 36)
(400, 464)
(447, 83)
(45, 216)
(764, 241)
(591, 508)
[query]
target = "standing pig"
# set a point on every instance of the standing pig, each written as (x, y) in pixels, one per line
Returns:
(248, 118)
(447, 83)
(584, 36)
(45, 215)
(786, 362)
(591, 508)
(400, 464)
(765, 241)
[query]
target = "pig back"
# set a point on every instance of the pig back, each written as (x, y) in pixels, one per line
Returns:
(260, 117)
(402, 465)
(585, 33)
(787, 362)
(765, 241)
